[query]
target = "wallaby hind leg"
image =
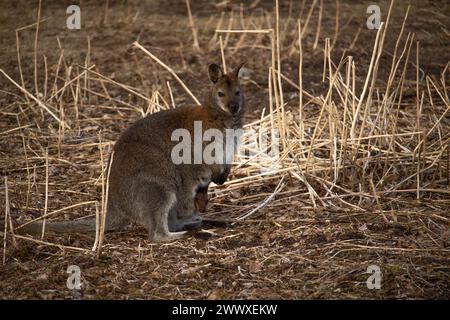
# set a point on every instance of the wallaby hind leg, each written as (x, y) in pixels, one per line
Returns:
(155, 214)
(161, 232)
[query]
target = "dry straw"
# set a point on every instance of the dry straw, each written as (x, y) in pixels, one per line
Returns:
(352, 149)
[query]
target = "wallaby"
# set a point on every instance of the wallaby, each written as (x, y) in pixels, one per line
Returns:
(146, 186)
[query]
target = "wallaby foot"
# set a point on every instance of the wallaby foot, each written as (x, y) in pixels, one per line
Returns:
(169, 236)
(187, 223)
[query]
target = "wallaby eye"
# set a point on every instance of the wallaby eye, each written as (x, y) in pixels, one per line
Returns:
(221, 94)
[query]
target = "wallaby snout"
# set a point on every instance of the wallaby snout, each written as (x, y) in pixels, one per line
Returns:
(234, 108)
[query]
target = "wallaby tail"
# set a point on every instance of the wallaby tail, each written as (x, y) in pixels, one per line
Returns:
(81, 226)
(85, 225)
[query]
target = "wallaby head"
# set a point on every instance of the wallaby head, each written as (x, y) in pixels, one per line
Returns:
(226, 97)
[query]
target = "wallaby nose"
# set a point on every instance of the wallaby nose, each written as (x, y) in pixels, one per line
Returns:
(234, 108)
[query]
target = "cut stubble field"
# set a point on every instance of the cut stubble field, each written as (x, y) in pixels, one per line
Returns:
(362, 176)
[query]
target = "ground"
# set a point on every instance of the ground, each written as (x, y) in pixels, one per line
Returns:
(386, 203)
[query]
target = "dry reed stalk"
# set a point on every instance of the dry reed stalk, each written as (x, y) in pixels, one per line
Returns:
(305, 27)
(97, 228)
(316, 100)
(36, 88)
(319, 22)
(45, 79)
(284, 128)
(230, 26)
(50, 214)
(103, 201)
(6, 218)
(26, 165)
(263, 31)
(50, 244)
(275, 85)
(125, 87)
(355, 38)
(171, 95)
(418, 116)
(394, 65)
(325, 52)
(87, 62)
(316, 127)
(369, 72)
(241, 16)
(240, 43)
(213, 40)
(44, 220)
(58, 66)
(136, 44)
(196, 45)
(375, 69)
(272, 124)
(448, 163)
(105, 13)
(278, 188)
(14, 129)
(104, 207)
(336, 27)
(440, 94)
(224, 64)
(39, 102)
(19, 61)
(102, 83)
(288, 20)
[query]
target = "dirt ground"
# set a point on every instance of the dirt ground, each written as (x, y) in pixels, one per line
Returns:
(290, 248)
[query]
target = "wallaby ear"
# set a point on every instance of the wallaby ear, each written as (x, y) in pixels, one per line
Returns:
(214, 72)
(238, 68)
